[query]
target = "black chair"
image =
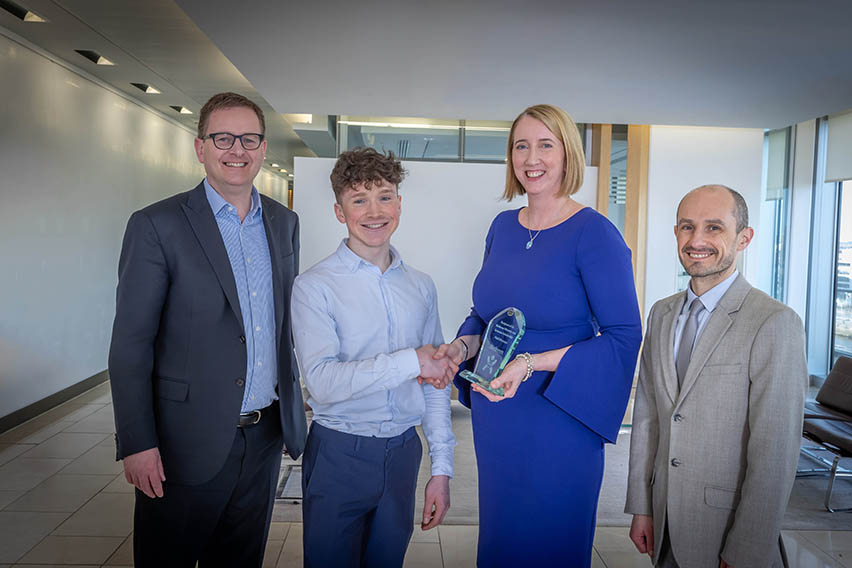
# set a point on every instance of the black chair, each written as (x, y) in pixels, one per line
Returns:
(828, 422)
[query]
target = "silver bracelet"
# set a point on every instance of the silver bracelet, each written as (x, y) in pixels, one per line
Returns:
(529, 360)
(466, 351)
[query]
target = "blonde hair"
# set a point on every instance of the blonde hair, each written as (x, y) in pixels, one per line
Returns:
(562, 125)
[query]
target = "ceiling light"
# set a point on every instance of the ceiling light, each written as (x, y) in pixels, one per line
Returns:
(300, 118)
(399, 125)
(94, 57)
(283, 171)
(180, 109)
(274, 165)
(21, 13)
(145, 88)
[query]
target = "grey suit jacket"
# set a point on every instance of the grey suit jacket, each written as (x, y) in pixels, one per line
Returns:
(719, 457)
(177, 361)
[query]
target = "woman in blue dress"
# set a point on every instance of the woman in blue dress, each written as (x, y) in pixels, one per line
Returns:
(540, 448)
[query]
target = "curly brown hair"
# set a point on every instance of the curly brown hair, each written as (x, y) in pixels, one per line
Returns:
(367, 166)
(227, 100)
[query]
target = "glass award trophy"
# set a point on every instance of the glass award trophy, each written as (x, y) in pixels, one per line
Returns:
(502, 335)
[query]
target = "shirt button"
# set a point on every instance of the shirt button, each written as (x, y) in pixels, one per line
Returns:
(259, 364)
(252, 397)
(242, 339)
(257, 328)
(239, 382)
(254, 293)
(231, 209)
(677, 418)
(248, 260)
(675, 462)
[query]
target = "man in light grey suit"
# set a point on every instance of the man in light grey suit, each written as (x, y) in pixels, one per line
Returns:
(717, 421)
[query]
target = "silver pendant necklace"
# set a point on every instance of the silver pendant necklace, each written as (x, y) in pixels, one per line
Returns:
(532, 238)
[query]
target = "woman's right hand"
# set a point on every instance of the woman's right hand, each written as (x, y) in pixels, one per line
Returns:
(453, 350)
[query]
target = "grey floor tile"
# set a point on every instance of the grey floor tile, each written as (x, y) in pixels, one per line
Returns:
(614, 539)
(119, 485)
(596, 561)
(423, 555)
(71, 411)
(61, 493)
(291, 553)
(620, 559)
(72, 550)
(7, 497)
(803, 553)
(8, 452)
(123, 556)
(278, 531)
(99, 460)
(272, 552)
(22, 531)
(65, 445)
(107, 514)
(419, 535)
(33, 432)
(22, 474)
(93, 424)
(93, 396)
(458, 545)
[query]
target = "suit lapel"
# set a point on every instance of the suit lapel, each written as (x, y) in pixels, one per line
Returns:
(273, 237)
(200, 216)
(669, 322)
(718, 324)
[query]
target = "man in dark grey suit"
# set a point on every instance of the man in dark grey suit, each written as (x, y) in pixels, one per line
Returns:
(717, 420)
(202, 368)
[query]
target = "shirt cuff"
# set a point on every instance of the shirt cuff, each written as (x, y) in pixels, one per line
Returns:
(443, 465)
(406, 362)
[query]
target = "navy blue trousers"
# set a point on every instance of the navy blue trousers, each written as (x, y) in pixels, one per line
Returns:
(358, 498)
(223, 522)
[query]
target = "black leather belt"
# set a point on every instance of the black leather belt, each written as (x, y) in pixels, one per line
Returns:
(248, 419)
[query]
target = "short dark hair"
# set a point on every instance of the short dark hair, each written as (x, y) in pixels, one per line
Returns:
(227, 100)
(740, 209)
(367, 166)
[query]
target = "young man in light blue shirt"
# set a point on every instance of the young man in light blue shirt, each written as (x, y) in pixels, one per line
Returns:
(365, 326)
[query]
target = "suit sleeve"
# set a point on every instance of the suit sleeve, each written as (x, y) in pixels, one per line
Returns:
(143, 283)
(644, 437)
(593, 380)
(778, 383)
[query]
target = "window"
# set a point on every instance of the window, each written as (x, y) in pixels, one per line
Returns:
(842, 320)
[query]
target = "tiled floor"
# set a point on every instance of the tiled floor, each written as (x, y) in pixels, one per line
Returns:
(64, 501)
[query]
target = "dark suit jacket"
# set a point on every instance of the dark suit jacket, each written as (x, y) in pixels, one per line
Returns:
(177, 361)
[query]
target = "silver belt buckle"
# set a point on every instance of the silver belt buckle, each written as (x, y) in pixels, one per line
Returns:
(256, 416)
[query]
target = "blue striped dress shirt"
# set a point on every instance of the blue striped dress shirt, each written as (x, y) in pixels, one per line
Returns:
(356, 329)
(248, 251)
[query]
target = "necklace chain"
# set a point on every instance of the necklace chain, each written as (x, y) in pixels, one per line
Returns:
(532, 238)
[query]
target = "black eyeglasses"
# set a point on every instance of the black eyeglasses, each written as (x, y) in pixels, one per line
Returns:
(226, 140)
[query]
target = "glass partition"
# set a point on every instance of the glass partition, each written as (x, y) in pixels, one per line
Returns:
(842, 344)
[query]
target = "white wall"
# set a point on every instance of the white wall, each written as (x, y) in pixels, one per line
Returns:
(76, 160)
(446, 211)
(682, 158)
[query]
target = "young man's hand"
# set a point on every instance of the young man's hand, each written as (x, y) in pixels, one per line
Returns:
(437, 372)
(437, 502)
(642, 534)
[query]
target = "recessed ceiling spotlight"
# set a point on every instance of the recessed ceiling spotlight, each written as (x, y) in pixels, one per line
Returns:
(180, 109)
(274, 165)
(283, 171)
(145, 88)
(94, 57)
(21, 13)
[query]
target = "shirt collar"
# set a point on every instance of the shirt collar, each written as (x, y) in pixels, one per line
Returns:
(217, 202)
(711, 297)
(353, 262)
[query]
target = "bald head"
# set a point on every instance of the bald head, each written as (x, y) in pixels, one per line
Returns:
(739, 208)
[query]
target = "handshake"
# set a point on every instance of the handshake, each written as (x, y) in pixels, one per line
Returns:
(438, 365)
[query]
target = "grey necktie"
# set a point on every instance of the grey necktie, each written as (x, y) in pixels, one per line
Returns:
(687, 340)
